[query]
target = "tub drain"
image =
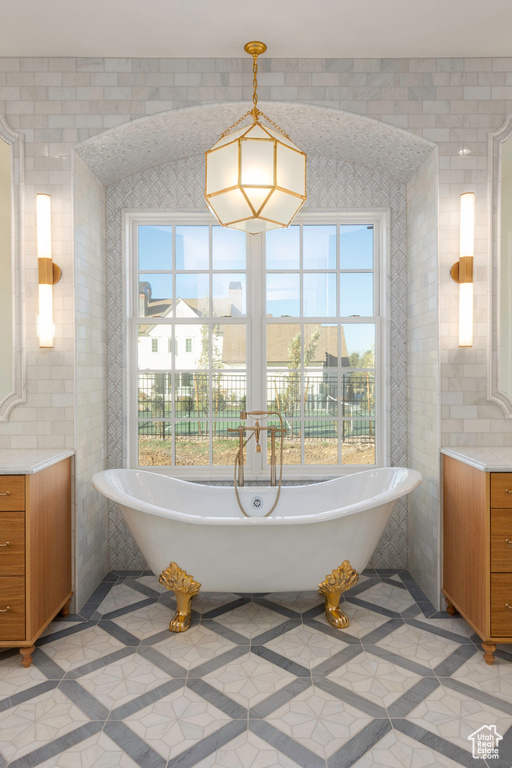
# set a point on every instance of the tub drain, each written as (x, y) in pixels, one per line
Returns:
(257, 502)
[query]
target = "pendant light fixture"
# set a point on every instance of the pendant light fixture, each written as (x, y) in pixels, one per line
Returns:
(255, 175)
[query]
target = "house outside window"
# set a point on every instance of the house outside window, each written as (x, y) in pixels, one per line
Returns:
(288, 321)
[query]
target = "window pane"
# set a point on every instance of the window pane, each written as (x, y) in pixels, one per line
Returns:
(292, 445)
(358, 345)
(229, 295)
(225, 444)
(191, 395)
(319, 247)
(155, 247)
(155, 443)
(356, 246)
(320, 294)
(192, 347)
(320, 346)
(358, 442)
(155, 295)
(228, 248)
(192, 247)
(229, 345)
(358, 394)
(283, 393)
(356, 294)
(284, 345)
(192, 296)
(283, 295)
(320, 442)
(154, 395)
(321, 394)
(283, 248)
(192, 444)
(228, 394)
(153, 347)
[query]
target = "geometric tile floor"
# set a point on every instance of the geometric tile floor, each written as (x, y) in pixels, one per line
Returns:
(256, 682)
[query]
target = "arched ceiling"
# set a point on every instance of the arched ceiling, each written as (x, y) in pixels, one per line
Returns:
(158, 139)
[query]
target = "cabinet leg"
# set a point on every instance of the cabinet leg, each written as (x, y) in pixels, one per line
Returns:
(489, 649)
(64, 611)
(450, 608)
(26, 654)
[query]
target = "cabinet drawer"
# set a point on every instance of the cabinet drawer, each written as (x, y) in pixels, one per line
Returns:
(12, 596)
(12, 493)
(12, 544)
(501, 535)
(501, 490)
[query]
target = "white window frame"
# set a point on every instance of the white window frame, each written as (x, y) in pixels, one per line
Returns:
(256, 310)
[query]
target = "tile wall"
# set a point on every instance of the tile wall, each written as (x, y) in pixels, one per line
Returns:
(91, 534)
(423, 375)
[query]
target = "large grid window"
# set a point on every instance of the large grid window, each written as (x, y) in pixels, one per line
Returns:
(287, 321)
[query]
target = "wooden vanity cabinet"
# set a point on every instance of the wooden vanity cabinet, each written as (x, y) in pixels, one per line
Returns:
(477, 562)
(35, 554)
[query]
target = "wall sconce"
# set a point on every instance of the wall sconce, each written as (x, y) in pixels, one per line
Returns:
(462, 270)
(49, 273)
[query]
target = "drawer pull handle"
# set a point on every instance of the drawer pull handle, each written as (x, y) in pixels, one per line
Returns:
(507, 490)
(5, 610)
(7, 543)
(8, 493)
(507, 605)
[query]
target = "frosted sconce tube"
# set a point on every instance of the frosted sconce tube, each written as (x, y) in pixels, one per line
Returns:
(48, 272)
(462, 270)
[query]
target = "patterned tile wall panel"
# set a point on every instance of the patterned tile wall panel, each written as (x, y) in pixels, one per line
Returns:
(332, 183)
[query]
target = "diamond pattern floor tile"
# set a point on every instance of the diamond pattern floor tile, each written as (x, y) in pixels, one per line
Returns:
(306, 646)
(191, 648)
(123, 680)
(362, 621)
(146, 621)
(296, 601)
(82, 647)
(418, 645)
(319, 721)
(247, 751)
(251, 619)
(151, 582)
(375, 679)
(307, 689)
(387, 596)
(396, 750)
(454, 716)
(209, 601)
(249, 679)
(14, 678)
(495, 679)
(119, 597)
(176, 722)
(37, 722)
(96, 752)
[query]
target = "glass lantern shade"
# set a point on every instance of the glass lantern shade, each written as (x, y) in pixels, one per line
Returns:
(255, 179)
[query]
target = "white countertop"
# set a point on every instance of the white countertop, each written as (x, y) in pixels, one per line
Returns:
(487, 459)
(28, 462)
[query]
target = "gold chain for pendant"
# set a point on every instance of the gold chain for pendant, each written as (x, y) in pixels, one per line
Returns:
(255, 112)
(255, 81)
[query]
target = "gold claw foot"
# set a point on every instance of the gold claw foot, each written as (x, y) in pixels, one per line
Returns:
(184, 588)
(332, 588)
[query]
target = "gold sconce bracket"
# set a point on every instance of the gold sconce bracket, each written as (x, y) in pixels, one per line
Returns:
(462, 270)
(49, 273)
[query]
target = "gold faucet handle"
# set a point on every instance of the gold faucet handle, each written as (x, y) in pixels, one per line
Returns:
(243, 415)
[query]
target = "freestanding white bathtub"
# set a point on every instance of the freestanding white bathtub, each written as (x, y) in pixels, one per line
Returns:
(312, 531)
